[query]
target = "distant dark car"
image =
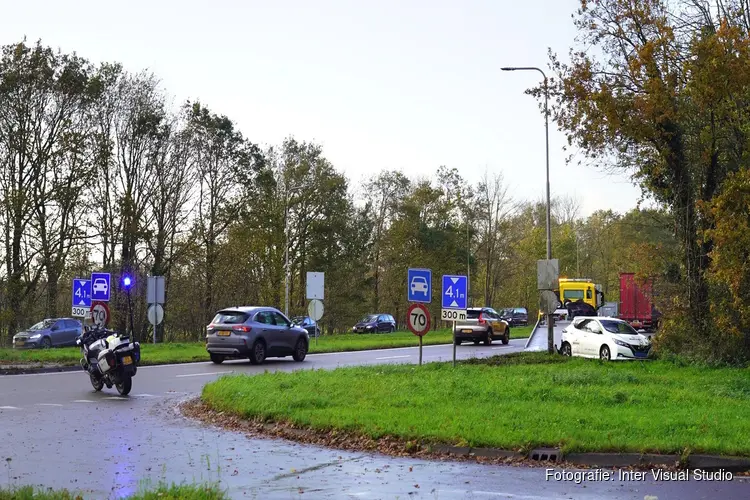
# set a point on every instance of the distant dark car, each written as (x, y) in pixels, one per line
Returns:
(53, 332)
(375, 323)
(308, 324)
(256, 333)
(515, 316)
(579, 308)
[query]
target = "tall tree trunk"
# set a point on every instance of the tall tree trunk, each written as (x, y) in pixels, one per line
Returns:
(303, 273)
(208, 304)
(53, 279)
(8, 274)
(697, 286)
(15, 284)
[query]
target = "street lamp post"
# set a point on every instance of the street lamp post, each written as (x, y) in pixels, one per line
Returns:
(550, 328)
(468, 263)
(286, 251)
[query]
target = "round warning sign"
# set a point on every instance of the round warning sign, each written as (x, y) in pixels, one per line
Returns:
(418, 319)
(100, 313)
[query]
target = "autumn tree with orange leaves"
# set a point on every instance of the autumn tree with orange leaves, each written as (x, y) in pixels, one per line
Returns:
(661, 90)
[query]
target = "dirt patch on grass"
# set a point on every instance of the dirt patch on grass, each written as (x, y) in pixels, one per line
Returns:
(387, 445)
(28, 368)
(338, 439)
(517, 358)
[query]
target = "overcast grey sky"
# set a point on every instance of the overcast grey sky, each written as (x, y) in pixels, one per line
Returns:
(387, 84)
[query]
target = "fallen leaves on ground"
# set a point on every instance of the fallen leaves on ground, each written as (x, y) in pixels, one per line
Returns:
(346, 440)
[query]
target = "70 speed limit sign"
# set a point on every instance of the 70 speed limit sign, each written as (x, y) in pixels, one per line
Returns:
(418, 319)
(100, 314)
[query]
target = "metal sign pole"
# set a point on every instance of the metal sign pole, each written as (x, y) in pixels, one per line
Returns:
(454, 343)
(420, 350)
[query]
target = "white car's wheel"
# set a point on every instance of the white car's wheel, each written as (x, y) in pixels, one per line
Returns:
(566, 350)
(604, 353)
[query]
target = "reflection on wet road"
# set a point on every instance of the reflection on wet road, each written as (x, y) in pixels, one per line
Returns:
(59, 433)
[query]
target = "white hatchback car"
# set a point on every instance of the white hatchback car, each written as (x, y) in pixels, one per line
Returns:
(604, 338)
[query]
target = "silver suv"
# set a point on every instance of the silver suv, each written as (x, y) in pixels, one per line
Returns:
(256, 333)
(482, 324)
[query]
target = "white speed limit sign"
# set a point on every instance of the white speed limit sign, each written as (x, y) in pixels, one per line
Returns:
(418, 319)
(99, 313)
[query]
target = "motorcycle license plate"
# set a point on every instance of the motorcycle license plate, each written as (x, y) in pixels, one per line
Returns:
(127, 360)
(223, 333)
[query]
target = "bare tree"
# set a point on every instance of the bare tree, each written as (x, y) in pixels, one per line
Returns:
(384, 192)
(43, 96)
(223, 160)
(131, 116)
(566, 209)
(169, 204)
(495, 207)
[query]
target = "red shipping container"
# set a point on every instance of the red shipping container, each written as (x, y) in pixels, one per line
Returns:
(636, 301)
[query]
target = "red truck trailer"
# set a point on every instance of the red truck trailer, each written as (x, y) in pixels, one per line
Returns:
(636, 302)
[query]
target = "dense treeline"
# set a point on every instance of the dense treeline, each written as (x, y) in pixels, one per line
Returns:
(662, 89)
(100, 171)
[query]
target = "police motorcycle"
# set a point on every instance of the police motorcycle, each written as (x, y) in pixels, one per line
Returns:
(109, 357)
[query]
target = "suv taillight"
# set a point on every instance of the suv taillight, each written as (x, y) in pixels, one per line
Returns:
(481, 319)
(241, 328)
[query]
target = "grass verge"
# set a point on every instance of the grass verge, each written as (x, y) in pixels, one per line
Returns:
(512, 402)
(161, 492)
(168, 353)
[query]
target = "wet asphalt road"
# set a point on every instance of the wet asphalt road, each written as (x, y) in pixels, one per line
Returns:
(56, 432)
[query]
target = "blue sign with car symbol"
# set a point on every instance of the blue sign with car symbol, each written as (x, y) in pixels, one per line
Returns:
(100, 286)
(419, 285)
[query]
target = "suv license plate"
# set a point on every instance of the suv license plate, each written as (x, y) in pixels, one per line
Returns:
(223, 333)
(467, 331)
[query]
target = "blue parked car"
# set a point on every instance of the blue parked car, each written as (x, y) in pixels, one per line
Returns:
(308, 324)
(54, 332)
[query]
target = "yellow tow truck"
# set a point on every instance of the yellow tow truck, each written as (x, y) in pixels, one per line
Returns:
(573, 289)
(578, 289)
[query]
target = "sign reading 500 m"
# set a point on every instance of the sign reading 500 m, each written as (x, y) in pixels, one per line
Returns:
(453, 314)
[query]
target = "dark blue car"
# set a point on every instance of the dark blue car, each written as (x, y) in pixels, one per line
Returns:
(375, 323)
(308, 324)
(53, 332)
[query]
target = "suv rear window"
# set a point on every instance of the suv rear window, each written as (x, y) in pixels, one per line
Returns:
(229, 317)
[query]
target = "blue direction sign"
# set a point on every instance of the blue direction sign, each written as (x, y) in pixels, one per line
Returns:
(100, 287)
(81, 293)
(454, 292)
(419, 283)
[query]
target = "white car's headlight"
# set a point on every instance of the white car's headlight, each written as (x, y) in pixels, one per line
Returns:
(620, 342)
